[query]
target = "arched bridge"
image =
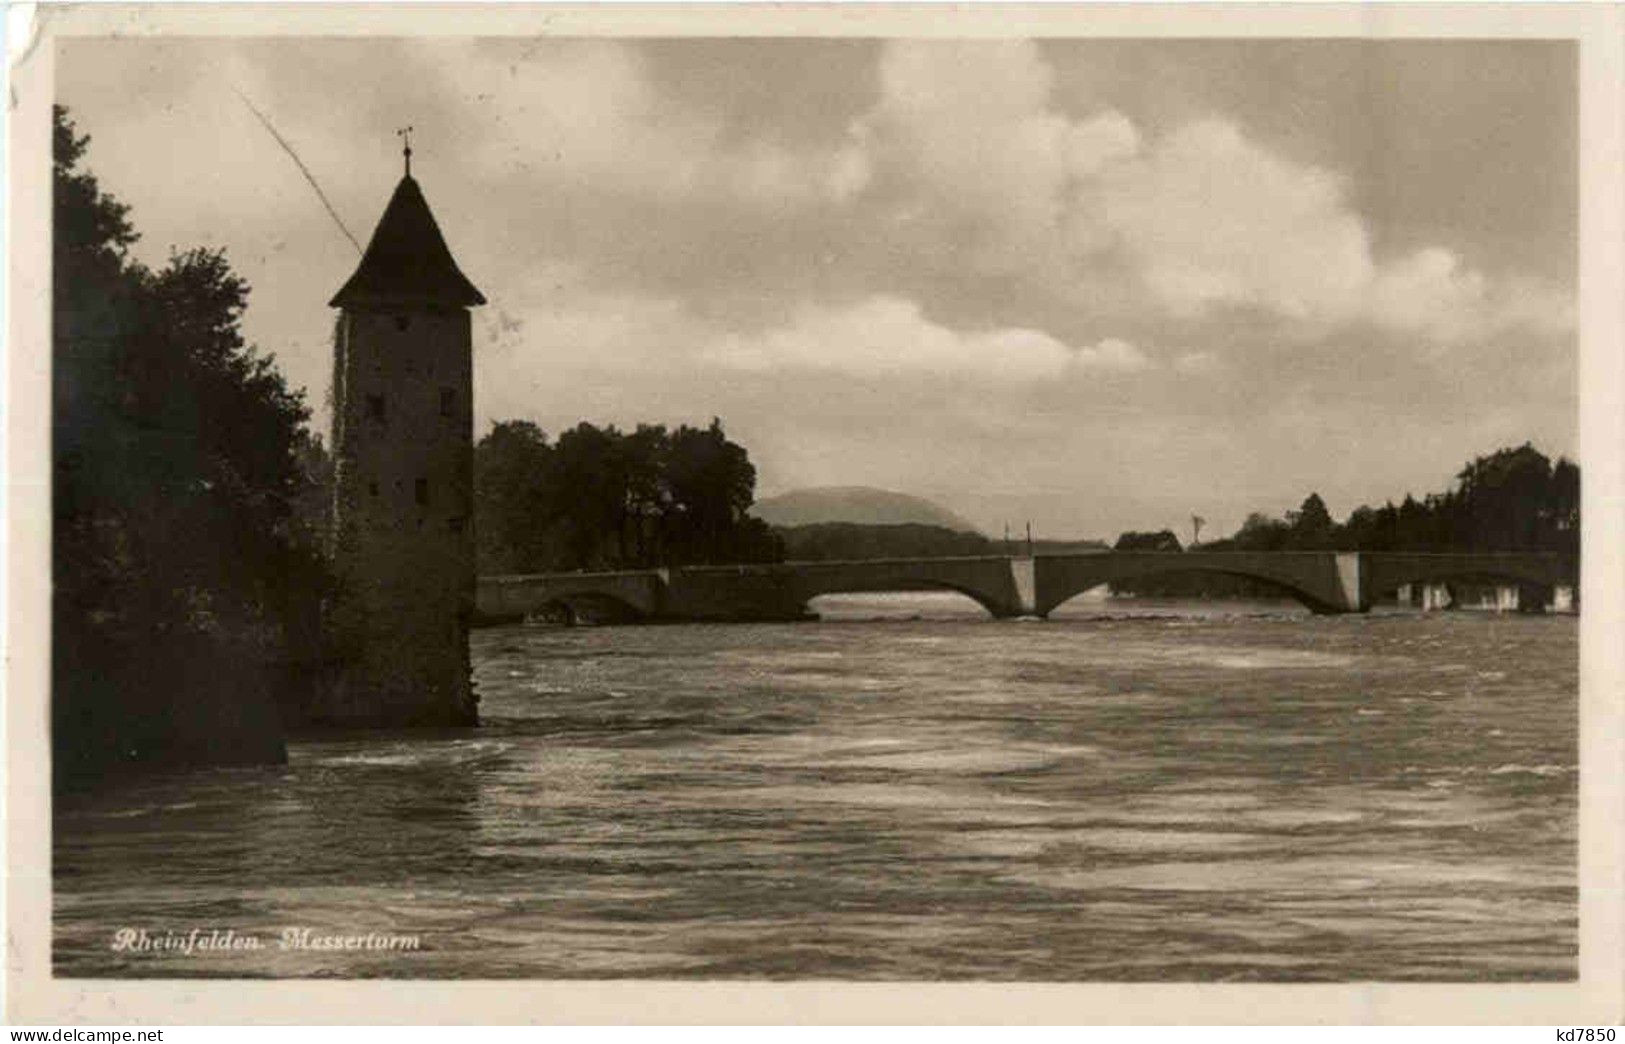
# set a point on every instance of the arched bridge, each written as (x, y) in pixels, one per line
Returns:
(1325, 581)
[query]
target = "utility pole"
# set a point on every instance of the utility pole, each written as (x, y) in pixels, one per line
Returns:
(1007, 548)
(1029, 538)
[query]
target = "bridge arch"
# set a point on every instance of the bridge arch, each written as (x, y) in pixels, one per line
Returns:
(1315, 580)
(991, 605)
(985, 580)
(618, 596)
(586, 606)
(1275, 586)
(1304, 597)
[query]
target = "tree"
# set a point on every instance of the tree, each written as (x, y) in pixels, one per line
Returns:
(1259, 532)
(1311, 524)
(647, 494)
(1563, 507)
(180, 463)
(601, 498)
(1161, 540)
(514, 472)
(1371, 529)
(1512, 499)
(588, 494)
(1502, 501)
(713, 485)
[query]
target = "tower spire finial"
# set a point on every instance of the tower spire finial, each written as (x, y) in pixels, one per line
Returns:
(405, 134)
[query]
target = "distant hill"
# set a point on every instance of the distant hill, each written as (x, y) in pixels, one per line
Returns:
(861, 505)
(852, 542)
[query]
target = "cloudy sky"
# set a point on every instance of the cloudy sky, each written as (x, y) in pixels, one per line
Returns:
(1095, 284)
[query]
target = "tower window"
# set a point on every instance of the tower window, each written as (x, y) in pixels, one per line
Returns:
(420, 491)
(372, 489)
(375, 407)
(448, 401)
(456, 524)
(402, 322)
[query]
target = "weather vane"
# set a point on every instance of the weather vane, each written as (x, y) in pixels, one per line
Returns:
(405, 134)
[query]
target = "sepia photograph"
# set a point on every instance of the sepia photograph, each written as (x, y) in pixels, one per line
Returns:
(879, 507)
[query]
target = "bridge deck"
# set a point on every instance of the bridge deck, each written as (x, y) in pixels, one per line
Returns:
(1006, 585)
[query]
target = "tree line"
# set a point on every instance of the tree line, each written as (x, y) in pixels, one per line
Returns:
(182, 552)
(601, 498)
(1514, 499)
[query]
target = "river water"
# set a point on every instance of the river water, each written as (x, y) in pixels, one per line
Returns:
(904, 791)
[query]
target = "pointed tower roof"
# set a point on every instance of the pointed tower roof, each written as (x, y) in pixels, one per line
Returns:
(407, 261)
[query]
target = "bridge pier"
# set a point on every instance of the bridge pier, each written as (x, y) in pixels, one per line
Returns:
(1535, 598)
(1024, 577)
(1354, 598)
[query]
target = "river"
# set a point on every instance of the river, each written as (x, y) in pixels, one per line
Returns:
(1129, 791)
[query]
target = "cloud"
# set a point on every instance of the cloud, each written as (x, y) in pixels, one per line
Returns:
(587, 114)
(974, 158)
(964, 138)
(566, 351)
(1211, 218)
(884, 336)
(1432, 293)
(1112, 354)
(1214, 219)
(963, 255)
(1197, 362)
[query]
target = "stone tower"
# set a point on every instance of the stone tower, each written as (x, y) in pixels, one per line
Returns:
(403, 540)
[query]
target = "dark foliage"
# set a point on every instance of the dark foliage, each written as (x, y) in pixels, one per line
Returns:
(180, 463)
(1515, 499)
(1162, 540)
(600, 498)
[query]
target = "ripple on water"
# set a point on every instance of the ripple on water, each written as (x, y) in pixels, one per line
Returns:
(1285, 876)
(1203, 795)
